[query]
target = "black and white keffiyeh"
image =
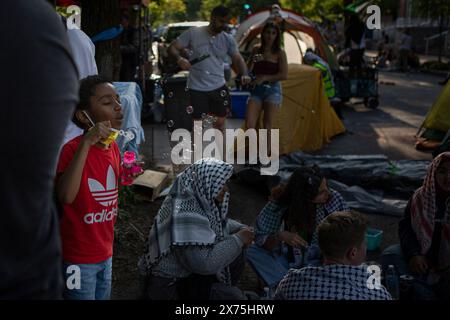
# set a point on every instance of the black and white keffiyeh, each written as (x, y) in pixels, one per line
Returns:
(330, 282)
(189, 215)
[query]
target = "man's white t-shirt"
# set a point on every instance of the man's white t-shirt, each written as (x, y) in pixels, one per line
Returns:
(83, 52)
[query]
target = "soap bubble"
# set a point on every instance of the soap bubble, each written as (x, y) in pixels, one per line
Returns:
(225, 103)
(170, 94)
(186, 89)
(189, 109)
(129, 135)
(223, 93)
(170, 123)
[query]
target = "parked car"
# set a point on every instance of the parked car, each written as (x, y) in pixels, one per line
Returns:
(166, 63)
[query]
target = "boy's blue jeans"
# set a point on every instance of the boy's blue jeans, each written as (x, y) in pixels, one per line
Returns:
(95, 281)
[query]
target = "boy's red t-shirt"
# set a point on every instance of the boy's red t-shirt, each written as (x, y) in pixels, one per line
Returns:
(87, 224)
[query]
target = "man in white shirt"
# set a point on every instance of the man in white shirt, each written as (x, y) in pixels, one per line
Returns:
(83, 52)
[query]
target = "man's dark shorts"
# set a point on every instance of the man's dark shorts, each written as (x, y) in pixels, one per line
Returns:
(216, 102)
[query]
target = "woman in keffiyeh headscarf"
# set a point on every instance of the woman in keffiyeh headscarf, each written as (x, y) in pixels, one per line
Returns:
(193, 249)
(424, 250)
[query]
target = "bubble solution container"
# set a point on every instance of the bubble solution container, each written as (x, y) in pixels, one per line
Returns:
(112, 137)
(373, 237)
(129, 168)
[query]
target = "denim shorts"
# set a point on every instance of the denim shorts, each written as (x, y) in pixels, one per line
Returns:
(94, 281)
(267, 92)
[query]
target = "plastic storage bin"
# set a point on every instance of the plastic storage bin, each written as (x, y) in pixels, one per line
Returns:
(374, 237)
(239, 103)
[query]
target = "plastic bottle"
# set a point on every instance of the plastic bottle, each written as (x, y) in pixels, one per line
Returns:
(392, 282)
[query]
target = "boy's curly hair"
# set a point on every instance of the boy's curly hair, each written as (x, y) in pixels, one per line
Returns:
(87, 90)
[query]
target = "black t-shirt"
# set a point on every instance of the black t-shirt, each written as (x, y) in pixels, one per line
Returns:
(38, 93)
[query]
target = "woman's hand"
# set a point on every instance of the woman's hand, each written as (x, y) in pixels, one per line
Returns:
(246, 235)
(259, 80)
(257, 57)
(99, 132)
(292, 239)
(418, 265)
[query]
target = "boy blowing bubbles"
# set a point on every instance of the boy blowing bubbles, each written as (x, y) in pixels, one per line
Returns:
(87, 187)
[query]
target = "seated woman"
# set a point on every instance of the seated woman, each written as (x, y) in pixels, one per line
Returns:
(424, 231)
(193, 250)
(288, 223)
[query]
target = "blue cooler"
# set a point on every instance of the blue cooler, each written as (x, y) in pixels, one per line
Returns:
(239, 103)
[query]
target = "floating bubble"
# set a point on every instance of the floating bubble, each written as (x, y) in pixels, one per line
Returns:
(186, 89)
(129, 135)
(223, 93)
(165, 155)
(313, 111)
(189, 109)
(170, 123)
(225, 103)
(170, 95)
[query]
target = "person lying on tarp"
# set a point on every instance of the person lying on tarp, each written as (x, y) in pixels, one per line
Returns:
(342, 240)
(194, 251)
(424, 250)
(285, 233)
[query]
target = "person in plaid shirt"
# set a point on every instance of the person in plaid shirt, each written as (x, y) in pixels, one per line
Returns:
(285, 234)
(343, 276)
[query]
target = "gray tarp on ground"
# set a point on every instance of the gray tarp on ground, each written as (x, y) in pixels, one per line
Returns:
(396, 178)
(371, 184)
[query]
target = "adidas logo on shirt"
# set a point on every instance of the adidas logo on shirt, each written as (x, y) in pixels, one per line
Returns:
(105, 196)
(99, 217)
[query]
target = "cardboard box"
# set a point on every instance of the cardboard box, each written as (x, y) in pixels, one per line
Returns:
(151, 183)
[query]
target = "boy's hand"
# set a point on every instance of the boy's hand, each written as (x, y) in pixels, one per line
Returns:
(99, 132)
(138, 172)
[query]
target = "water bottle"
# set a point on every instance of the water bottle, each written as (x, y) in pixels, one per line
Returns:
(392, 282)
(298, 258)
(267, 295)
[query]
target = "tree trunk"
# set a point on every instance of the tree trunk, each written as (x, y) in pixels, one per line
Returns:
(97, 16)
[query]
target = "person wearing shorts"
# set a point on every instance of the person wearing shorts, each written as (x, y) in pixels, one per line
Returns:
(269, 64)
(209, 45)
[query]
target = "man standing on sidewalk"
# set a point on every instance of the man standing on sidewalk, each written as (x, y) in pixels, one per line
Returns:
(206, 82)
